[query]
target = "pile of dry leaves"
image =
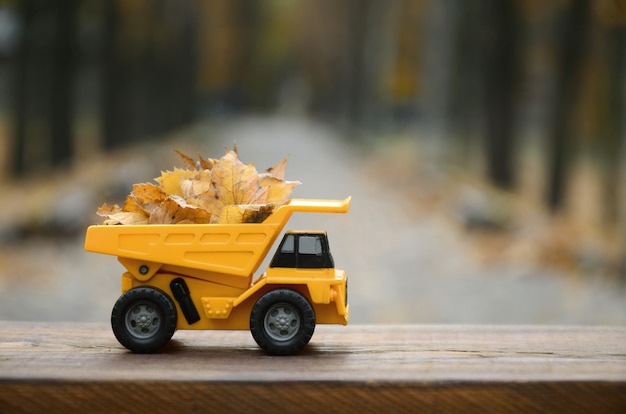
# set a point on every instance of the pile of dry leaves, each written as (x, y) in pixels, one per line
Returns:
(206, 191)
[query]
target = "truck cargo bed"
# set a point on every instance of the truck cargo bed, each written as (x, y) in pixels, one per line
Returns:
(233, 249)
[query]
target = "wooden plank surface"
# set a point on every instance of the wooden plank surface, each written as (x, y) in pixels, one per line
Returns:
(81, 367)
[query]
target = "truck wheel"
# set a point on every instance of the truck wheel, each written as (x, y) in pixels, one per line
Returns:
(282, 322)
(144, 319)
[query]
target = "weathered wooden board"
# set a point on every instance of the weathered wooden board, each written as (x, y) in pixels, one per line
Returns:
(81, 367)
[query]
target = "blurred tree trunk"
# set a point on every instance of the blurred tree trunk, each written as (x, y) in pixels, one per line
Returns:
(573, 40)
(152, 77)
(179, 61)
(185, 64)
(62, 81)
(148, 69)
(614, 134)
(248, 26)
(116, 105)
(466, 90)
(353, 70)
(502, 70)
(26, 10)
(44, 84)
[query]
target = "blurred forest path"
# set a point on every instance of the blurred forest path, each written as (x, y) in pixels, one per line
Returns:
(404, 243)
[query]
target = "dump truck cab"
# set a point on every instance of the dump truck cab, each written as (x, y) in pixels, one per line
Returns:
(303, 250)
(201, 277)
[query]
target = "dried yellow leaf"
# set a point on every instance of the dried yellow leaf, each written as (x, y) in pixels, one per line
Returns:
(248, 213)
(148, 196)
(209, 191)
(105, 210)
(199, 183)
(130, 205)
(277, 170)
(174, 210)
(206, 164)
(234, 182)
(189, 162)
(127, 218)
(170, 181)
(279, 191)
(115, 215)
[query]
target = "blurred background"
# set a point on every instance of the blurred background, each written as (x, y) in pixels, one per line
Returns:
(483, 142)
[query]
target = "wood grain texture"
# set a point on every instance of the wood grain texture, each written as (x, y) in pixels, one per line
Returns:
(80, 367)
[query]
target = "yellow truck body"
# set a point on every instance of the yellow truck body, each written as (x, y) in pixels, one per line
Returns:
(212, 266)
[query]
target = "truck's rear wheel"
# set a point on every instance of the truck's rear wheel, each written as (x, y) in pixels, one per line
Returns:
(282, 322)
(144, 319)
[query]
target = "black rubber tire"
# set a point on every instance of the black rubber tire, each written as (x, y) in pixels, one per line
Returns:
(282, 322)
(144, 319)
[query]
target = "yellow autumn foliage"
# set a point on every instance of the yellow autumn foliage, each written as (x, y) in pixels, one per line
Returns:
(224, 191)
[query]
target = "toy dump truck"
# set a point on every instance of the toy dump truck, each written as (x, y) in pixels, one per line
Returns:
(200, 276)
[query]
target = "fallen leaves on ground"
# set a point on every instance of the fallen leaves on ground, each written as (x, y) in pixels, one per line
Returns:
(224, 190)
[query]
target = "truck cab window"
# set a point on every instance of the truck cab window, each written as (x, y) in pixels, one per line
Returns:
(288, 243)
(310, 245)
(303, 251)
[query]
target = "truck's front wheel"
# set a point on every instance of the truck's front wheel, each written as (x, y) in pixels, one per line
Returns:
(282, 322)
(144, 319)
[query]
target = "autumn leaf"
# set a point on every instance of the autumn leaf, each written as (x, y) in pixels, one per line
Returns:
(127, 218)
(224, 190)
(189, 162)
(260, 197)
(130, 205)
(174, 210)
(170, 181)
(278, 190)
(201, 164)
(206, 164)
(148, 196)
(114, 215)
(277, 170)
(234, 182)
(249, 213)
(199, 183)
(105, 210)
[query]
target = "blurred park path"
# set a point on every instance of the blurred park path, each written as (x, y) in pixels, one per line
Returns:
(405, 264)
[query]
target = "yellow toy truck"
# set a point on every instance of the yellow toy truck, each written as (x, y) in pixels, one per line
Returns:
(200, 276)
